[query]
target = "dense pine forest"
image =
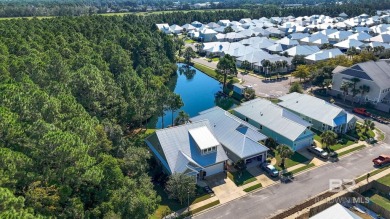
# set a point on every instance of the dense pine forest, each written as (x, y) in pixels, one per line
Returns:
(70, 91)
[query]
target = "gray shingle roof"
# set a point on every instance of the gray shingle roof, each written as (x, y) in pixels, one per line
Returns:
(235, 134)
(313, 107)
(274, 117)
(181, 151)
(378, 71)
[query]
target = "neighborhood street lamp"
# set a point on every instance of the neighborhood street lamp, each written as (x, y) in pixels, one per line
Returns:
(188, 199)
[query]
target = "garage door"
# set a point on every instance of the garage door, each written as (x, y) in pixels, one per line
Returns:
(211, 170)
(303, 143)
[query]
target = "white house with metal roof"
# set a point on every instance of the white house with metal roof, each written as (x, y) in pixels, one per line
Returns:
(192, 149)
(375, 75)
(323, 115)
(239, 139)
(276, 122)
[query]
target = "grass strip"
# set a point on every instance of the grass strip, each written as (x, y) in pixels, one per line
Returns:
(251, 188)
(351, 150)
(300, 169)
(204, 207)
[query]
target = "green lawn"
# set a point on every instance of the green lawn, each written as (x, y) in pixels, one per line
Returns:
(251, 188)
(210, 72)
(385, 180)
(295, 159)
(241, 179)
(381, 135)
(351, 150)
(379, 199)
(168, 205)
(345, 142)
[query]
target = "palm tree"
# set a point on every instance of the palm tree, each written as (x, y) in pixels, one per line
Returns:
(198, 47)
(327, 83)
(284, 64)
(174, 103)
(345, 88)
(226, 66)
(284, 152)
(368, 125)
(363, 90)
(245, 65)
(266, 64)
(354, 89)
(272, 67)
(182, 118)
(328, 138)
(278, 66)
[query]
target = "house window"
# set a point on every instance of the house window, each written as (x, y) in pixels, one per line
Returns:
(261, 127)
(246, 119)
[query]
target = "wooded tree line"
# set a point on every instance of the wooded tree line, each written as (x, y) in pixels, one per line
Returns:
(69, 90)
(256, 8)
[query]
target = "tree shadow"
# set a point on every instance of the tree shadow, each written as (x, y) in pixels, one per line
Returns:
(187, 71)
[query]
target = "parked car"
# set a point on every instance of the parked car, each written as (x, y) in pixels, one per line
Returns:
(319, 152)
(361, 111)
(270, 169)
(381, 160)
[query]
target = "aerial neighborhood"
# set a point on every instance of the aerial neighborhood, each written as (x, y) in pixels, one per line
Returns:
(263, 137)
(167, 109)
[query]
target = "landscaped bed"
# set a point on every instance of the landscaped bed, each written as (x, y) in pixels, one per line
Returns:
(295, 159)
(343, 141)
(168, 205)
(241, 178)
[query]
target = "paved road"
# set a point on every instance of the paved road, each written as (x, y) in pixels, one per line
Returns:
(277, 198)
(263, 88)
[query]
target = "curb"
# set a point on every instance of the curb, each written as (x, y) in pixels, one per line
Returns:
(273, 184)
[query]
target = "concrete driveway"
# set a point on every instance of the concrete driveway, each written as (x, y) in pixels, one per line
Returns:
(261, 176)
(224, 188)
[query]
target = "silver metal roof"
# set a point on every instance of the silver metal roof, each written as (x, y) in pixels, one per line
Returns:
(233, 133)
(274, 117)
(181, 151)
(313, 107)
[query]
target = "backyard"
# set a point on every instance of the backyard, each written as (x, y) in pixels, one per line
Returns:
(385, 180)
(379, 199)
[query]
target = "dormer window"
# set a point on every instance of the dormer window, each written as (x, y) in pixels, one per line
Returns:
(204, 139)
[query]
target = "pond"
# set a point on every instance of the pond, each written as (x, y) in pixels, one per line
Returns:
(197, 90)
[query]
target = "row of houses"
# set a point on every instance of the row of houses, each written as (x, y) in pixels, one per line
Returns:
(216, 138)
(278, 39)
